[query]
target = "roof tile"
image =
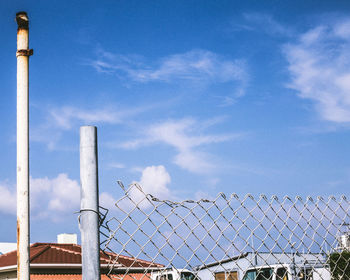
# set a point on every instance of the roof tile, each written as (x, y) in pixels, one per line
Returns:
(54, 253)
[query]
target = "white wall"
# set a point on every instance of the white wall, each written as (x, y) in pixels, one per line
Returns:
(12, 275)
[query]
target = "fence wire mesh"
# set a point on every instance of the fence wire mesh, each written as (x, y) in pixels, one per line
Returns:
(227, 238)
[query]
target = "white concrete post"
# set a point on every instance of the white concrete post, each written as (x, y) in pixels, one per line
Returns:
(23, 53)
(89, 204)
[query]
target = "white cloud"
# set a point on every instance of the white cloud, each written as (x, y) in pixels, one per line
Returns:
(66, 193)
(197, 66)
(186, 137)
(52, 197)
(8, 199)
(49, 198)
(154, 180)
(319, 64)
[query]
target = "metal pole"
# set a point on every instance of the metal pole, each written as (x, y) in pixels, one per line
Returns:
(89, 219)
(23, 53)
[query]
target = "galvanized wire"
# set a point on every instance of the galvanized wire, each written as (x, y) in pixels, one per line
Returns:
(227, 238)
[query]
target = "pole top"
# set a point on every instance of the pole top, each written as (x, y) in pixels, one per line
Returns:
(87, 133)
(22, 20)
(86, 128)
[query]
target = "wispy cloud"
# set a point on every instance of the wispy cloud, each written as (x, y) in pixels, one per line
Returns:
(58, 120)
(319, 64)
(263, 22)
(199, 67)
(116, 165)
(187, 137)
(65, 117)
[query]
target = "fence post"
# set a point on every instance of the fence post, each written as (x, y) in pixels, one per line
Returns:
(23, 53)
(89, 204)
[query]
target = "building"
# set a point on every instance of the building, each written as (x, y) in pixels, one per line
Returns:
(55, 261)
(344, 242)
(7, 247)
(235, 267)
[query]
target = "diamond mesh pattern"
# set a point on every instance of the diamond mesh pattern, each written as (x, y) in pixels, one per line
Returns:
(228, 238)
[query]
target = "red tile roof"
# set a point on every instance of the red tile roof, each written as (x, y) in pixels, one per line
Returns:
(54, 253)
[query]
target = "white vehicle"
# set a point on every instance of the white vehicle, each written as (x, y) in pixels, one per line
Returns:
(288, 272)
(173, 274)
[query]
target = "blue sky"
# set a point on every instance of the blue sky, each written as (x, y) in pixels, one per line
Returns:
(190, 98)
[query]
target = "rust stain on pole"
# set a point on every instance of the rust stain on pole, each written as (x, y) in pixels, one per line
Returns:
(22, 20)
(22, 30)
(18, 254)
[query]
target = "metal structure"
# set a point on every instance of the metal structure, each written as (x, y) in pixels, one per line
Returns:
(344, 238)
(228, 237)
(23, 53)
(89, 208)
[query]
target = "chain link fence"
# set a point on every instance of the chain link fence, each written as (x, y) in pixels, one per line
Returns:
(227, 238)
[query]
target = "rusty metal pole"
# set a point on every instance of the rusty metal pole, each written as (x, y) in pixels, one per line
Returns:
(23, 53)
(89, 204)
